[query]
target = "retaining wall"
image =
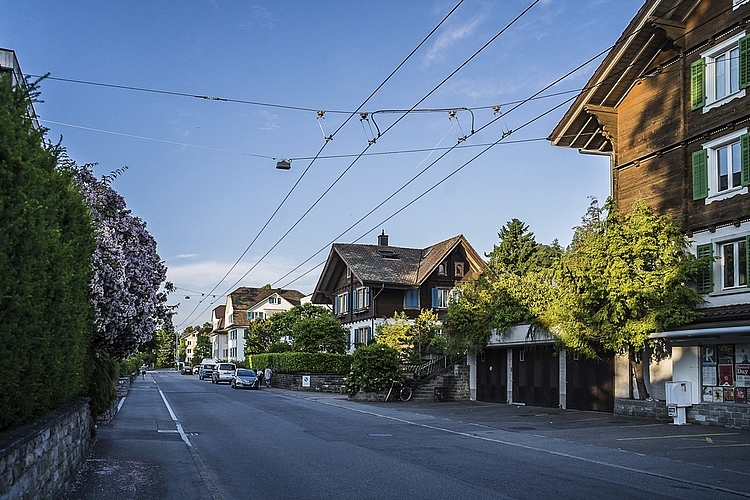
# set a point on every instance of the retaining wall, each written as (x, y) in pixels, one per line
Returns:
(736, 416)
(319, 382)
(39, 460)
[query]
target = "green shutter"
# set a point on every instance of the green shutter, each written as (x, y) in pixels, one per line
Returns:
(745, 158)
(747, 260)
(705, 279)
(700, 174)
(745, 61)
(698, 84)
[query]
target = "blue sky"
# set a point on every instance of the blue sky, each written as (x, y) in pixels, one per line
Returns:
(201, 172)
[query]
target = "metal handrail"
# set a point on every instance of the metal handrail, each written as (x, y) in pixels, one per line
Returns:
(422, 370)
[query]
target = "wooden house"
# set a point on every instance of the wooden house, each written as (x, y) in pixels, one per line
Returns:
(366, 284)
(670, 106)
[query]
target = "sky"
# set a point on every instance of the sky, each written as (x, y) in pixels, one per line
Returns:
(200, 99)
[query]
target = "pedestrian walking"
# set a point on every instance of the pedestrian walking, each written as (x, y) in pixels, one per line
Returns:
(259, 374)
(267, 376)
(143, 370)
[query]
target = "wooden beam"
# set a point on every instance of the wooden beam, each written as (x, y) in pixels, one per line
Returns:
(675, 30)
(607, 118)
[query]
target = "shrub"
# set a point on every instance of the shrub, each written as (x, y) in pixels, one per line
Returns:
(373, 368)
(102, 384)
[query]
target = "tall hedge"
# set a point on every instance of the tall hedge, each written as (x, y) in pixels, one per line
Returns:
(46, 243)
(307, 362)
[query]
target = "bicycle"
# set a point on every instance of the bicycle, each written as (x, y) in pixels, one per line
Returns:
(403, 391)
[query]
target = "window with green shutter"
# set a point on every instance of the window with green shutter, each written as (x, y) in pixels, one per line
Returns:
(705, 278)
(700, 174)
(698, 84)
(744, 45)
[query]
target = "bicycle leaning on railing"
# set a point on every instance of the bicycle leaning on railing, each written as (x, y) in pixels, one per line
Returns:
(401, 392)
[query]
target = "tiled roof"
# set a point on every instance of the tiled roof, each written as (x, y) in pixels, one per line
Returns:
(399, 265)
(728, 312)
(245, 298)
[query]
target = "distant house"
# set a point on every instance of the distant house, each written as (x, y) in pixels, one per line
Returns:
(670, 106)
(218, 334)
(366, 284)
(191, 341)
(244, 305)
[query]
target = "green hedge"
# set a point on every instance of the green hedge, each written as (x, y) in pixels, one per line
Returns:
(46, 243)
(305, 362)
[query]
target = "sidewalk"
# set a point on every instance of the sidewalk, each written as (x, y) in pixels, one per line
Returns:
(139, 454)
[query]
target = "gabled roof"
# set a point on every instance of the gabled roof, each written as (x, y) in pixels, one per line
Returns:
(245, 298)
(389, 265)
(657, 25)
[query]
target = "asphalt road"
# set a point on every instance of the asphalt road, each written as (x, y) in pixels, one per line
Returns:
(179, 437)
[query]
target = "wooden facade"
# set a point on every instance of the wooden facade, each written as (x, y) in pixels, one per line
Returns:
(367, 284)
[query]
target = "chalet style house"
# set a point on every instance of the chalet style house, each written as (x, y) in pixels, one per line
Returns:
(366, 284)
(670, 106)
(243, 306)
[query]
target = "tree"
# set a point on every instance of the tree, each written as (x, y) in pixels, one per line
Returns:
(519, 253)
(411, 338)
(182, 350)
(202, 348)
(259, 336)
(626, 276)
(319, 334)
(127, 271)
(166, 342)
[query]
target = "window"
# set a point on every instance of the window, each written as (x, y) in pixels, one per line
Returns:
(443, 269)
(721, 74)
(362, 335)
(274, 300)
(722, 168)
(440, 298)
(361, 298)
(411, 299)
(734, 264)
(230, 319)
(458, 269)
(341, 304)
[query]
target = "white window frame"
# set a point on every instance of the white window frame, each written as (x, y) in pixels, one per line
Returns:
(458, 269)
(737, 259)
(710, 56)
(444, 298)
(736, 3)
(361, 298)
(343, 303)
(712, 147)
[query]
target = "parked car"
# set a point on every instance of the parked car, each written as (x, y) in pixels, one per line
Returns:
(186, 370)
(223, 373)
(206, 371)
(196, 369)
(245, 378)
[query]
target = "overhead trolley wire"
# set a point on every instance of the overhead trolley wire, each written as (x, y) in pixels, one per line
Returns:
(328, 139)
(490, 146)
(370, 143)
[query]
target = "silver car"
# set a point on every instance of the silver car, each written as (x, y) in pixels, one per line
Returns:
(223, 373)
(244, 378)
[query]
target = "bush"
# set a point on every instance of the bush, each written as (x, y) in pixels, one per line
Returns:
(306, 362)
(373, 368)
(102, 382)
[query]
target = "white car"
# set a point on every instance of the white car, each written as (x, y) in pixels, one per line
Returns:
(223, 373)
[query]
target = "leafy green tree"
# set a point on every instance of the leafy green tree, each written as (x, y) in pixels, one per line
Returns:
(260, 335)
(319, 334)
(411, 338)
(626, 276)
(166, 342)
(182, 350)
(519, 253)
(373, 368)
(46, 243)
(202, 348)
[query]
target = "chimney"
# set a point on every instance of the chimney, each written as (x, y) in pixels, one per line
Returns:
(383, 239)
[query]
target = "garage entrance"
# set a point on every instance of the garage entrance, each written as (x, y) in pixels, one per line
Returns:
(536, 376)
(591, 383)
(492, 376)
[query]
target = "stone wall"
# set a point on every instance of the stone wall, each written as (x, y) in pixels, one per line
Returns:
(735, 416)
(39, 460)
(319, 382)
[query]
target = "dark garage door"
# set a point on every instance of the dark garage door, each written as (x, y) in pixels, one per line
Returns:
(591, 383)
(536, 376)
(492, 376)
